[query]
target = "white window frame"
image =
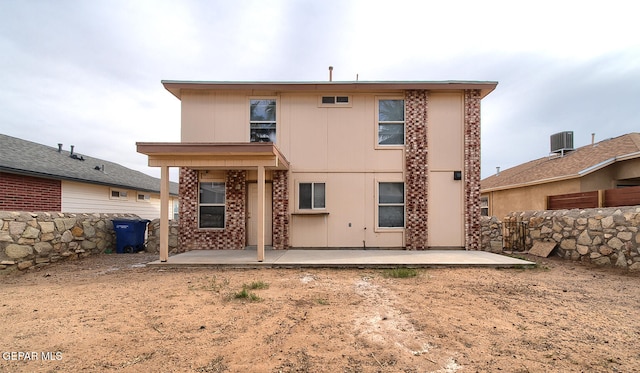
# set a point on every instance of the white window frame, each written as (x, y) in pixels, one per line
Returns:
(403, 204)
(123, 195)
(378, 122)
(146, 197)
(313, 190)
(277, 115)
(175, 208)
(484, 206)
(223, 205)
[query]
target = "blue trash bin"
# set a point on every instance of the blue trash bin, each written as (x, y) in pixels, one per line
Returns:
(129, 234)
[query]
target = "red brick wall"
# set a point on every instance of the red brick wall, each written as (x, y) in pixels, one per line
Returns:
(416, 183)
(27, 193)
(233, 236)
(472, 169)
(280, 209)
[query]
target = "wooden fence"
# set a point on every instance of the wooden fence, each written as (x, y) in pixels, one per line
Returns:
(629, 196)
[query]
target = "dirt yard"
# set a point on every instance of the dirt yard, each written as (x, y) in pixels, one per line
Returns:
(113, 313)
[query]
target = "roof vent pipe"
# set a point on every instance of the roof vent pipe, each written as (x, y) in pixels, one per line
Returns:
(593, 138)
(498, 171)
(59, 148)
(330, 73)
(70, 154)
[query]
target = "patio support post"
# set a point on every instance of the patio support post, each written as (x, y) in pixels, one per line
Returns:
(164, 213)
(261, 212)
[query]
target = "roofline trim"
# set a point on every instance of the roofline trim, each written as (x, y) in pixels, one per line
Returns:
(537, 182)
(176, 86)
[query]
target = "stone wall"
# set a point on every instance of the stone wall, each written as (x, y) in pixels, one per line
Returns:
(602, 236)
(35, 239)
(153, 237)
(491, 234)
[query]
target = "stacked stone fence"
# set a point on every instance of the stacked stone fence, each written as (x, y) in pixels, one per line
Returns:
(35, 239)
(153, 237)
(602, 236)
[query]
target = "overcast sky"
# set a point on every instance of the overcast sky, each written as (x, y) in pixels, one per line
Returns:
(87, 72)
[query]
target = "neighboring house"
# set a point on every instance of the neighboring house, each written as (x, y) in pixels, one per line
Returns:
(326, 164)
(608, 164)
(35, 177)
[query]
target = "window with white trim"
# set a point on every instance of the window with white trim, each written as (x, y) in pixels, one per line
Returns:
(118, 194)
(212, 205)
(311, 196)
(262, 120)
(484, 206)
(176, 209)
(144, 197)
(390, 122)
(390, 205)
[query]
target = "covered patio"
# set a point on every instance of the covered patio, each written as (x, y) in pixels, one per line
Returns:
(258, 157)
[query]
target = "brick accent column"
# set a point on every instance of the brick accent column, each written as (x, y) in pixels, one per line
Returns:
(472, 169)
(233, 236)
(416, 182)
(280, 209)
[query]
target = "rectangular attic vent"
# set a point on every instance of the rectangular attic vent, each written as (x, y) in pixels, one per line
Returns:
(561, 142)
(335, 101)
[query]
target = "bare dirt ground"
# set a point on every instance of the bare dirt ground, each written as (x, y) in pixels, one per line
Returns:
(112, 313)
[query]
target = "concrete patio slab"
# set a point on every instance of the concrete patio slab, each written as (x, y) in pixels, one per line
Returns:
(342, 259)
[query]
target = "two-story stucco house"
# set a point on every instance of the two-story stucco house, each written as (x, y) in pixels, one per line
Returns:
(325, 164)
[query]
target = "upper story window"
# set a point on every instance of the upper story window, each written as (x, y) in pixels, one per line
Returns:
(262, 119)
(390, 122)
(311, 196)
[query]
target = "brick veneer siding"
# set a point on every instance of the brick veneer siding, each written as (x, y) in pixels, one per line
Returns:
(233, 236)
(472, 169)
(416, 182)
(280, 209)
(28, 193)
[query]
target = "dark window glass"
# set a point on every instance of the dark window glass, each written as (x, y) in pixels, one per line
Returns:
(328, 99)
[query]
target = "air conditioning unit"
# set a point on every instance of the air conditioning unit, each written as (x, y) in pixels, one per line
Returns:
(562, 142)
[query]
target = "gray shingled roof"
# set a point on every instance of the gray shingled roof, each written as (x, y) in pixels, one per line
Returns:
(29, 158)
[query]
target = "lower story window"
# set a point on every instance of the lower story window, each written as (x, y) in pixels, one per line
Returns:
(212, 205)
(311, 196)
(391, 205)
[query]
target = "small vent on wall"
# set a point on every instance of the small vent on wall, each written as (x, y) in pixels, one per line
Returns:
(562, 142)
(335, 100)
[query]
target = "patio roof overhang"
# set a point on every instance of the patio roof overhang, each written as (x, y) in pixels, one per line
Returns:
(214, 155)
(208, 156)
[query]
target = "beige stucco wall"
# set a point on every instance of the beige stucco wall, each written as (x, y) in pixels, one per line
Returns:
(534, 197)
(338, 146)
(527, 198)
(445, 138)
